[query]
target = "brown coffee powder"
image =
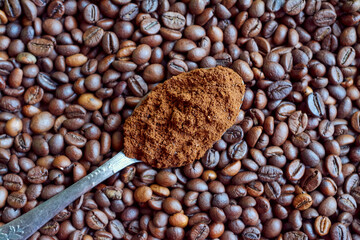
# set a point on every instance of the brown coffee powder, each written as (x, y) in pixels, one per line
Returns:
(181, 118)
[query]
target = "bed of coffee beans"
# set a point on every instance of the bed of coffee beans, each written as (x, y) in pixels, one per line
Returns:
(72, 71)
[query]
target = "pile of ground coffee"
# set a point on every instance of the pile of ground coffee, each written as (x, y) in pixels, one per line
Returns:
(181, 118)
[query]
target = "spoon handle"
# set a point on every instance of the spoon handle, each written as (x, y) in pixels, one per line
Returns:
(24, 226)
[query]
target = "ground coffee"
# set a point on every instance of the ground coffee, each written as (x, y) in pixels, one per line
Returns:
(181, 118)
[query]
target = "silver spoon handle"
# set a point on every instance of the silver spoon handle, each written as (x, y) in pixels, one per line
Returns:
(24, 226)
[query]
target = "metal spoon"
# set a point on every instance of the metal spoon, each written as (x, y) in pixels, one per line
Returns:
(27, 224)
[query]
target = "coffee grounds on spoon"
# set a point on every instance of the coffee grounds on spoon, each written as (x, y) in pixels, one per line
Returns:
(183, 117)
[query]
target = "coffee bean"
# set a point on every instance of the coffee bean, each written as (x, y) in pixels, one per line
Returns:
(302, 201)
(129, 11)
(295, 170)
(92, 37)
(324, 17)
(33, 95)
(40, 47)
(149, 26)
(238, 150)
(50, 228)
(273, 71)
(110, 43)
(37, 175)
(297, 122)
(279, 90)
(269, 173)
(9, 104)
(345, 56)
(91, 13)
(56, 9)
(338, 231)
(333, 165)
(12, 182)
(173, 20)
(42, 122)
(272, 190)
(294, 7)
(311, 179)
(96, 219)
(251, 233)
(315, 105)
(12, 8)
(251, 27)
(199, 231)
(17, 200)
(347, 203)
(45, 81)
(322, 225)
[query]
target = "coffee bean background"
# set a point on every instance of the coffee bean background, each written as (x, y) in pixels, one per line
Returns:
(71, 72)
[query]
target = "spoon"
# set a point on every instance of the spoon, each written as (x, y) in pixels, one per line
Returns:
(27, 224)
(20, 228)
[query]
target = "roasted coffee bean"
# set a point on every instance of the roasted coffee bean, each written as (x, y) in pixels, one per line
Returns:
(173, 20)
(338, 231)
(311, 180)
(272, 190)
(110, 43)
(92, 37)
(279, 90)
(269, 173)
(37, 175)
(40, 47)
(251, 233)
(347, 203)
(45, 81)
(199, 231)
(12, 182)
(322, 225)
(12, 8)
(96, 219)
(302, 201)
(324, 17)
(315, 105)
(129, 11)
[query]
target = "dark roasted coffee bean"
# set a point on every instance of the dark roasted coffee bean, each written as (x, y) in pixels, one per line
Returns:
(56, 9)
(13, 182)
(92, 37)
(279, 90)
(45, 81)
(251, 233)
(269, 173)
(233, 134)
(324, 17)
(110, 43)
(40, 47)
(10, 104)
(91, 13)
(137, 85)
(173, 20)
(199, 231)
(129, 11)
(311, 179)
(238, 150)
(315, 105)
(12, 8)
(272, 190)
(96, 219)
